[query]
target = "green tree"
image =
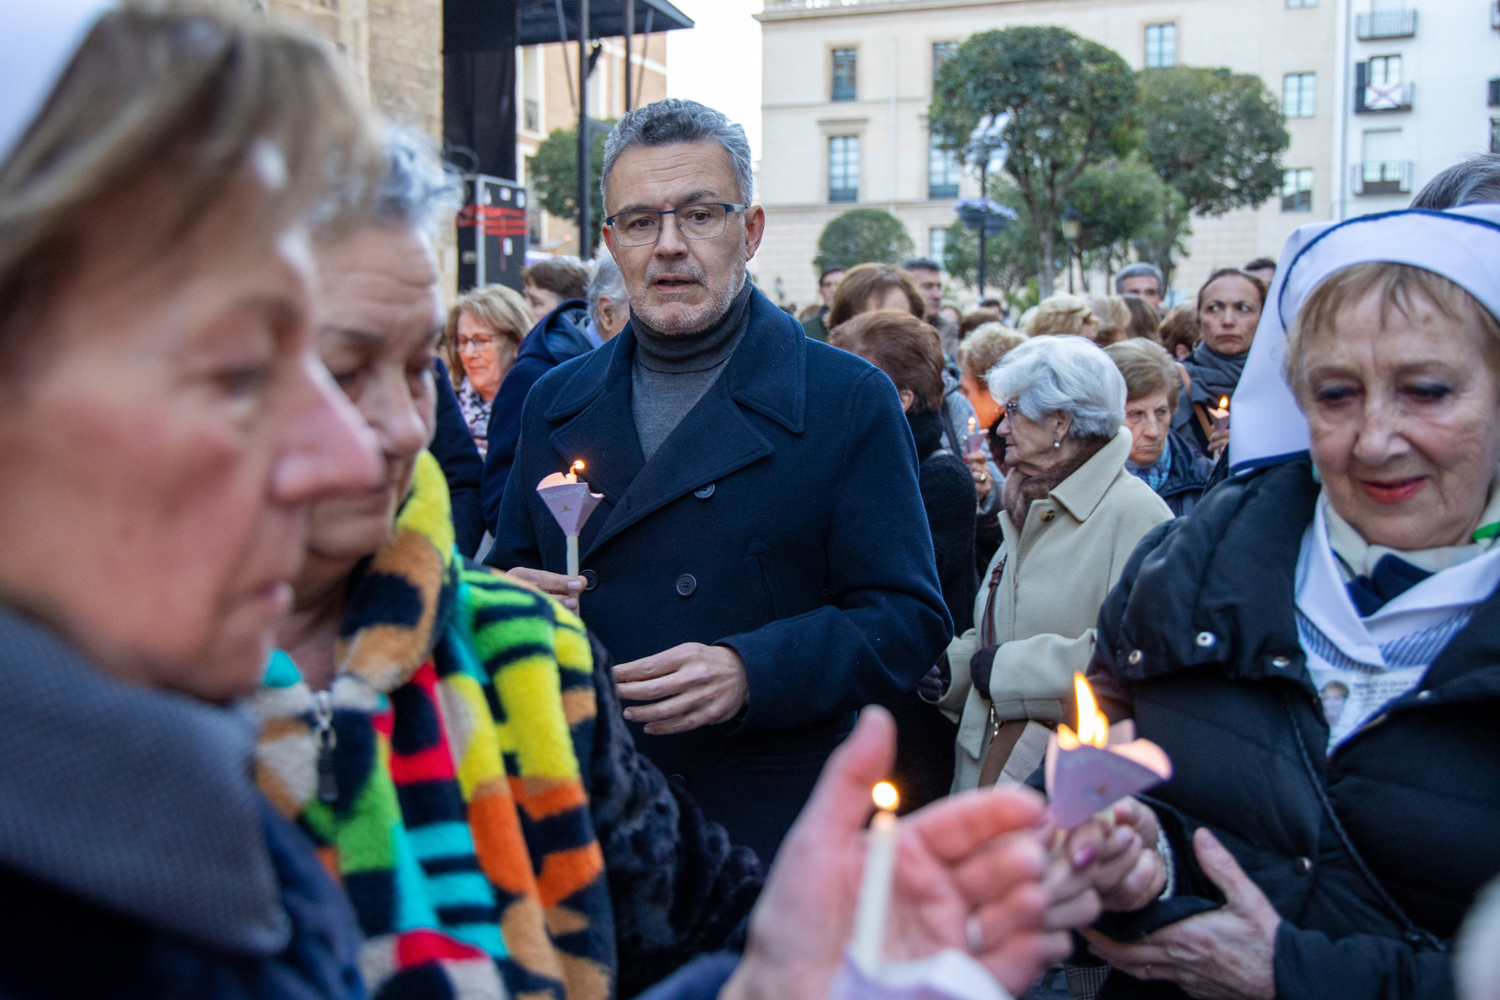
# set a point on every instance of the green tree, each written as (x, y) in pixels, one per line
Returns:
(1071, 104)
(1215, 136)
(1120, 201)
(1164, 241)
(554, 178)
(864, 236)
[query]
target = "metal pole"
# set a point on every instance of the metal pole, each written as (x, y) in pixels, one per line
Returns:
(585, 146)
(984, 166)
(629, 34)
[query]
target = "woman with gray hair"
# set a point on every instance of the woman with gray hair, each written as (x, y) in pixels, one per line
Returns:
(1072, 516)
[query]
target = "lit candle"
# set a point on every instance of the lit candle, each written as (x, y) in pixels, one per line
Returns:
(875, 887)
(1091, 770)
(571, 502)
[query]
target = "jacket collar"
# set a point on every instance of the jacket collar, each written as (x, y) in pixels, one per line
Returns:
(1081, 492)
(1220, 590)
(133, 799)
(593, 420)
(1187, 472)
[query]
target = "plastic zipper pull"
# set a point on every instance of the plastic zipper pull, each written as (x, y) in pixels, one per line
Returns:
(327, 739)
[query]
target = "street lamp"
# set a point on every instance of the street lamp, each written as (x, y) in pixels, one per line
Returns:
(1071, 223)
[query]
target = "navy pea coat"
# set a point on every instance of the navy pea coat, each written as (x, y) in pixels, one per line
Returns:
(781, 519)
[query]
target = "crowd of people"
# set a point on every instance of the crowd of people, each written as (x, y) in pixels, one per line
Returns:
(310, 694)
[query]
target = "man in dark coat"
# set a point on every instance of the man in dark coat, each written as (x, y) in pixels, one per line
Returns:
(1370, 855)
(563, 334)
(760, 563)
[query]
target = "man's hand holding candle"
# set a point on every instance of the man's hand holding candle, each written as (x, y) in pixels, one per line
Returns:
(689, 686)
(967, 876)
(564, 588)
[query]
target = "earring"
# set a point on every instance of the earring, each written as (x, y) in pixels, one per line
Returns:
(1057, 444)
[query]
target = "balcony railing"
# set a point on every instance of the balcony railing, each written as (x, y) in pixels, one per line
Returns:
(1375, 98)
(1386, 24)
(774, 6)
(1383, 177)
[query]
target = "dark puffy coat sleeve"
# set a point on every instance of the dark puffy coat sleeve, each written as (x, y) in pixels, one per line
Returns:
(678, 887)
(515, 536)
(887, 623)
(505, 434)
(1310, 966)
(948, 496)
(453, 447)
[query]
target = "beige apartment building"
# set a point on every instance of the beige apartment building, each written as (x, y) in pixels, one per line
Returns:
(847, 85)
(547, 100)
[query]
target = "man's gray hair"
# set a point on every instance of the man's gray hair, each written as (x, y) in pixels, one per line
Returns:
(417, 188)
(605, 279)
(1064, 374)
(1137, 270)
(1474, 181)
(673, 121)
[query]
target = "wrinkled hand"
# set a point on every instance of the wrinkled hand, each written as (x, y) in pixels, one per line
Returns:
(1225, 954)
(971, 855)
(1126, 869)
(564, 588)
(1218, 439)
(979, 468)
(691, 685)
(1068, 882)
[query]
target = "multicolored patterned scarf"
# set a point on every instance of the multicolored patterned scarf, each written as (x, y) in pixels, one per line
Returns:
(439, 775)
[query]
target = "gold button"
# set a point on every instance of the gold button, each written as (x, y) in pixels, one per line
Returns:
(1048, 515)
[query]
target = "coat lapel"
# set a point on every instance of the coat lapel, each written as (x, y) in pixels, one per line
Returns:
(594, 421)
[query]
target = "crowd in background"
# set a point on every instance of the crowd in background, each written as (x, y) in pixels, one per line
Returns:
(311, 692)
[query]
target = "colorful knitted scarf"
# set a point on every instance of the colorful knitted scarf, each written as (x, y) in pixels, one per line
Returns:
(439, 776)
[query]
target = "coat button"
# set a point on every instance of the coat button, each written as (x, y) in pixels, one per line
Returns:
(705, 492)
(1206, 639)
(1135, 656)
(1423, 695)
(1304, 865)
(1048, 515)
(590, 580)
(1280, 662)
(686, 585)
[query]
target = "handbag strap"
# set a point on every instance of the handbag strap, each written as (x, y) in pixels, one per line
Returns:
(1417, 937)
(987, 621)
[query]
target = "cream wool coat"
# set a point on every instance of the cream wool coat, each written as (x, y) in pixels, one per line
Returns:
(1062, 563)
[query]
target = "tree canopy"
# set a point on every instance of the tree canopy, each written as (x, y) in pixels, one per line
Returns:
(863, 236)
(1071, 104)
(1215, 136)
(553, 172)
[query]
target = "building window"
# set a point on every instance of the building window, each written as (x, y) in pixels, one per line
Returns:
(1495, 135)
(937, 245)
(843, 168)
(942, 172)
(845, 66)
(1301, 3)
(1299, 95)
(533, 116)
(1385, 71)
(1296, 191)
(941, 53)
(1161, 45)
(1378, 86)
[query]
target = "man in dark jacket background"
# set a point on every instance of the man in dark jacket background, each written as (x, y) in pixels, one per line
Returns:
(740, 567)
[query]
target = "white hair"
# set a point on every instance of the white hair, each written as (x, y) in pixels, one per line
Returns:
(605, 279)
(671, 121)
(417, 188)
(1066, 374)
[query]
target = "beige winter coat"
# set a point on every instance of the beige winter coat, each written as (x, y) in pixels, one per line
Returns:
(1060, 566)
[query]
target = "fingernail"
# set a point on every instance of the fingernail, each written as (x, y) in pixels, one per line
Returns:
(1083, 857)
(575, 585)
(1123, 835)
(629, 715)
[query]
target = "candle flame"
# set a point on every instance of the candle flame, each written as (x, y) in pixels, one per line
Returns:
(577, 466)
(1223, 402)
(885, 795)
(1093, 726)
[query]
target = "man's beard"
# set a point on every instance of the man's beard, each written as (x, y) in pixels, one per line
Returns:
(709, 313)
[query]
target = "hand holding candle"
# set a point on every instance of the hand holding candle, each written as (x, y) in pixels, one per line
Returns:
(571, 502)
(973, 441)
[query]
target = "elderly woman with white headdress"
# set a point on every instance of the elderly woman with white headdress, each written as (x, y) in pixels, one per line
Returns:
(1316, 645)
(1072, 516)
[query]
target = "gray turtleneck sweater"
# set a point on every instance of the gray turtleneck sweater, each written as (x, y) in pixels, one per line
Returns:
(672, 371)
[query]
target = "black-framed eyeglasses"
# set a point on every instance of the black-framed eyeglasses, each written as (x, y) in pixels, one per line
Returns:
(696, 222)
